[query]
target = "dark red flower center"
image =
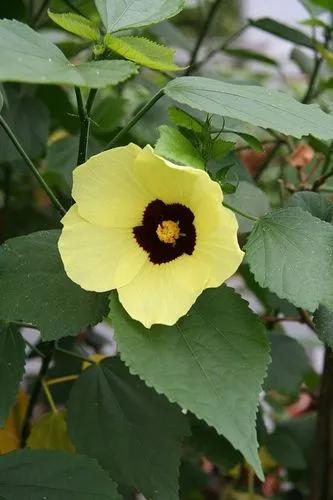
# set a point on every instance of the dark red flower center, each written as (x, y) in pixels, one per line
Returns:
(167, 231)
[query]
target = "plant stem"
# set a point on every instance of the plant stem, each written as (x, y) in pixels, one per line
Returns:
(74, 355)
(49, 397)
(308, 94)
(135, 118)
(84, 112)
(321, 180)
(203, 32)
(34, 348)
(40, 11)
(322, 468)
(223, 46)
(61, 380)
(240, 212)
(35, 394)
(73, 7)
(32, 167)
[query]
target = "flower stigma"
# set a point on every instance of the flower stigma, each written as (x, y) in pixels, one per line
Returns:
(168, 231)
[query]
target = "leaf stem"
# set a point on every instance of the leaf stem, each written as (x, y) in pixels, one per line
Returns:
(34, 348)
(73, 7)
(240, 212)
(35, 394)
(84, 112)
(61, 380)
(49, 397)
(32, 167)
(74, 355)
(135, 119)
(203, 32)
(215, 51)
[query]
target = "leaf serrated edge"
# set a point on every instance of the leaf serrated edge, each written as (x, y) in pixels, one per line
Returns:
(156, 387)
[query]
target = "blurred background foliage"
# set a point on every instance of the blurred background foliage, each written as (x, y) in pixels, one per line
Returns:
(45, 120)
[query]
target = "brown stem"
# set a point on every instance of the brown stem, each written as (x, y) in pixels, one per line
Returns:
(322, 467)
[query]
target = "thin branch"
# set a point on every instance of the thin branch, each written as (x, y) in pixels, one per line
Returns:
(135, 119)
(215, 51)
(32, 167)
(38, 14)
(203, 32)
(35, 394)
(74, 355)
(73, 7)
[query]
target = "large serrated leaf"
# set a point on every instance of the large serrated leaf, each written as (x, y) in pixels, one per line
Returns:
(252, 104)
(12, 361)
(74, 23)
(123, 14)
(143, 51)
(38, 290)
(53, 475)
(133, 432)
(212, 362)
(291, 253)
(28, 56)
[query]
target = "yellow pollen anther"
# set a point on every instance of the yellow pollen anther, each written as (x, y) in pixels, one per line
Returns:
(168, 231)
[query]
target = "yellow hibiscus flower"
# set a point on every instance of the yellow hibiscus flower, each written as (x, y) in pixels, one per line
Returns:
(155, 231)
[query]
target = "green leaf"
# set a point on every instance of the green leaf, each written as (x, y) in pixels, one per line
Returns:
(248, 198)
(143, 51)
(323, 320)
(175, 146)
(123, 14)
(50, 433)
(28, 56)
(19, 111)
(250, 55)
(206, 440)
(314, 203)
(290, 252)
(252, 141)
(315, 22)
(217, 350)
(76, 24)
(288, 367)
(12, 361)
(39, 292)
(134, 433)
(41, 474)
(325, 4)
(1, 101)
(252, 104)
(99, 74)
(282, 31)
(221, 149)
(292, 442)
(180, 118)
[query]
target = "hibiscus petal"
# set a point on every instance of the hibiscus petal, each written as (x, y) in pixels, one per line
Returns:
(106, 190)
(98, 258)
(217, 243)
(163, 293)
(174, 183)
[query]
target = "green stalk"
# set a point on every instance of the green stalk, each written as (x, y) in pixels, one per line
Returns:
(240, 212)
(135, 119)
(32, 167)
(84, 112)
